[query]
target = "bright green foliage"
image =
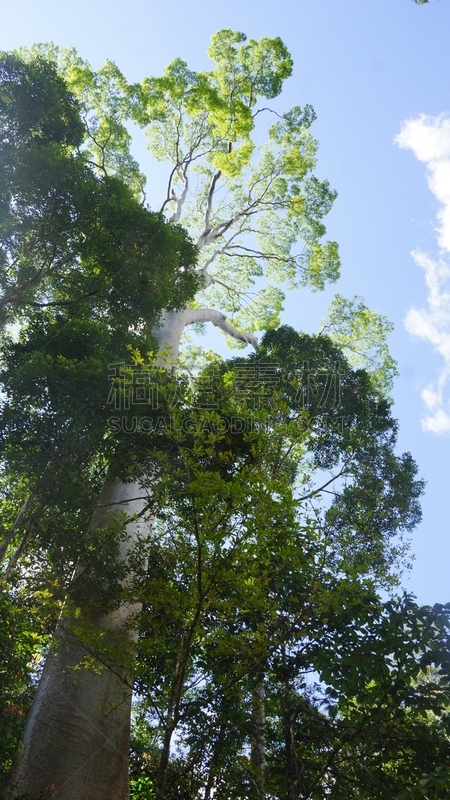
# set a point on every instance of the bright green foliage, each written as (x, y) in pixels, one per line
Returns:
(361, 334)
(256, 68)
(254, 209)
(253, 204)
(105, 100)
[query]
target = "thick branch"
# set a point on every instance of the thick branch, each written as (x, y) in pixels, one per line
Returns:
(219, 320)
(212, 189)
(180, 200)
(173, 323)
(208, 279)
(9, 535)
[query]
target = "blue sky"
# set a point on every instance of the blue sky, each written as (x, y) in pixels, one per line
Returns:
(378, 76)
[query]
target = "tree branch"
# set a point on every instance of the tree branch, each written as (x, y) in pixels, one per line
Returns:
(174, 322)
(219, 320)
(9, 535)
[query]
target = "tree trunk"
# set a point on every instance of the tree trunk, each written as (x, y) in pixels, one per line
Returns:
(76, 741)
(292, 775)
(258, 740)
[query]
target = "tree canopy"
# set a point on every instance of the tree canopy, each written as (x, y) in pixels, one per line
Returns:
(255, 577)
(69, 234)
(246, 205)
(266, 663)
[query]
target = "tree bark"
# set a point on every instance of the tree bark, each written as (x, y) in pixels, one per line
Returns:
(76, 740)
(292, 774)
(258, 740)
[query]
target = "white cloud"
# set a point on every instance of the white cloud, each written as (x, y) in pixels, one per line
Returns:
(429, 139)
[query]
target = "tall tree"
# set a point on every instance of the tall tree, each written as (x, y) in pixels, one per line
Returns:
(249, 561)
(255, 211)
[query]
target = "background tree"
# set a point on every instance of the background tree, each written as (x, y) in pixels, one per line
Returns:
(249, 566)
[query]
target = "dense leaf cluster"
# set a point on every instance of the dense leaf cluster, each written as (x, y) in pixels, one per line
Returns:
(69, 236)
(260, 576)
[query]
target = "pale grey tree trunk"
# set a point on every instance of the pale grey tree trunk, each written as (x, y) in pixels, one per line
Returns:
(76, 740)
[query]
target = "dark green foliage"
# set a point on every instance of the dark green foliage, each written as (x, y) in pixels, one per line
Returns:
(69, 234)
(256, 575)
(28, 616)
(35, 106)
(83, 267)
